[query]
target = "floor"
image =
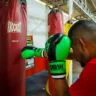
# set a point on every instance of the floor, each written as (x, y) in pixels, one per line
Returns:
(35, 85)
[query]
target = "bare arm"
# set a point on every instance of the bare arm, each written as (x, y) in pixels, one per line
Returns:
(61, 87)
(44, 54)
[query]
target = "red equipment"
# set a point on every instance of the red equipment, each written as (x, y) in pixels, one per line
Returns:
(13, 30)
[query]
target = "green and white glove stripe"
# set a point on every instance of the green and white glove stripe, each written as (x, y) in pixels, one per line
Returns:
(39, 52)
(58, 76)
(57, 68)
(57, 48)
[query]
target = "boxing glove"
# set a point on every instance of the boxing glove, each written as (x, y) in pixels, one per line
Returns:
(30, 51)
(57, 48)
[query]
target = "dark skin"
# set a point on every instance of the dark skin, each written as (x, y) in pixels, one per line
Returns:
(61, 87)
(84, 51)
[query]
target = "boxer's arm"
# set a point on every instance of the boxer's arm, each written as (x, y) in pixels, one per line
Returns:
(44, 54)
(61, 87)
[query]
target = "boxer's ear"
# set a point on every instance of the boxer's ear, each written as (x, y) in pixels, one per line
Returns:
(83, 43)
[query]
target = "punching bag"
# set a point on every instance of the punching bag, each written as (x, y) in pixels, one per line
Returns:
(55, 22)
(56, 25)
(12, 39)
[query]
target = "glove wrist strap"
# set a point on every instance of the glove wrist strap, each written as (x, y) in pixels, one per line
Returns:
(58, 69)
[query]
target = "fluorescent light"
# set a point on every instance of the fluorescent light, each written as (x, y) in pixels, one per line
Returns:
(40, 2)
(51, 7)
(43, 3)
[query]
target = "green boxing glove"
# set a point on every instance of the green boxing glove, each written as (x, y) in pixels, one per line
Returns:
(29, 52)
(57, 48)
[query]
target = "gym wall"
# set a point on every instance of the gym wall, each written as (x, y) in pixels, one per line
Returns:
(37, 22)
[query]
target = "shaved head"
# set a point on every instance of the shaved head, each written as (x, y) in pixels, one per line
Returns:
(83, 41)
(83, 29)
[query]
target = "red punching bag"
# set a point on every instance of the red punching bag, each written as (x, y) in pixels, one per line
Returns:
(56, 25)
(12, 39)
(55, 22)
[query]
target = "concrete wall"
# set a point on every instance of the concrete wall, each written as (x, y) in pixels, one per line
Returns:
(37, 22)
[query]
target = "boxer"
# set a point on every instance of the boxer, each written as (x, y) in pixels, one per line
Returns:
(83, 42)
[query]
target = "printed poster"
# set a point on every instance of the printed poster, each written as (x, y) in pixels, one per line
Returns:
(29, 42)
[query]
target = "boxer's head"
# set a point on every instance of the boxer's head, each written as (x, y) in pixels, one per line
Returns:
(83, 39)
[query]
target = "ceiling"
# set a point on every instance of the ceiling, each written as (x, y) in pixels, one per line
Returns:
(77, 13)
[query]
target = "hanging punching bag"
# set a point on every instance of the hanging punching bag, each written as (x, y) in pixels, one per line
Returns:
(56, 25)
(12, 39)
(55, 22)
